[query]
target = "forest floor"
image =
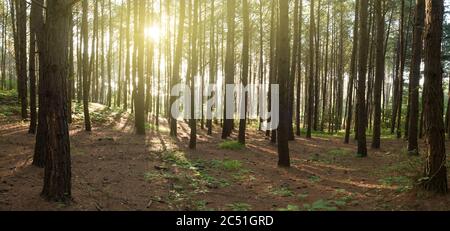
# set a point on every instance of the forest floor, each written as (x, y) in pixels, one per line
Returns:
(114, 169)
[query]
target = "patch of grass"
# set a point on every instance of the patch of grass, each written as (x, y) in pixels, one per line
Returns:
(320, 205)
(178, 158)
(242, 174)
(402, 183)
(231, 145)
(212, 181)
(290, 208)
(302, 196)
(149, 176)
(396, 180)
(200, 205)
(282, 192)
(239, 207)
(229, 165)
(315, 179)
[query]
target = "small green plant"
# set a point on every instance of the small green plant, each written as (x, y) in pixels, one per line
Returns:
(212, 181)
(282, 192)
(242, 174)
(229, 165)
(320, 205)
(178, 158)
(289, 208)
(200, 205)
(149, 176)
(314, 179)
(239, 206)
(396, 180)
(231, 145)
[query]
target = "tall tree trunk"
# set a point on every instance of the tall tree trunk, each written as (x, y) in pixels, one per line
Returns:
(299, 71)
(71, 72)
(109, 58)
(127, 58)
(229, 64)
(310, 106)
(379, 76)
(140, 94)
(435, 169)
(363, 53)
(245, 69)
(32, 69)
(212, 63)
(283, 78)
(193, 76)
(353, 75)
(293, 71)
(177, 62)
(41, 133)
(402, 68)
(57, 176)
(86, 66)
(22, 55)
(413, 146)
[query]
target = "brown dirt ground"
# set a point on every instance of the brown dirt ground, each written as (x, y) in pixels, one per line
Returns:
(113, 169)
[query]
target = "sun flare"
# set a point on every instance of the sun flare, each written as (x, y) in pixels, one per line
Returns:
(153, 33)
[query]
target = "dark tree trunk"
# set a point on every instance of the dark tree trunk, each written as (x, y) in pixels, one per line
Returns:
(57, 176)
(435, 169)
(41, 134)
(283, 79)
(86, 67)
(32, 69)
(310, 106)
(229, 63)
(299, 71)
(362, 67)
(379, 75)
(413, 146)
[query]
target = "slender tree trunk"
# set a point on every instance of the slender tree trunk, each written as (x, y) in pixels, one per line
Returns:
(353, 74)
(299, 71)
(310, 106)
(402, 68)
(194, 72)
(379, 76)
(229, 64)
(212, 64)
(41, 134)
(32, 69)
(283, 78)
(363, 53)
(177, 62)
(413, 146)
(86, 67)
(245, 69)
(109, 58)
